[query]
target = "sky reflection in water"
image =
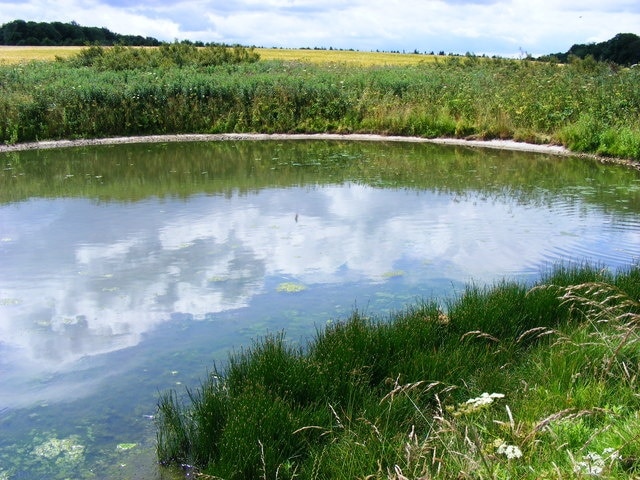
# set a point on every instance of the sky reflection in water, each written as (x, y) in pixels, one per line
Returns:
(82, 278)
(126, 270)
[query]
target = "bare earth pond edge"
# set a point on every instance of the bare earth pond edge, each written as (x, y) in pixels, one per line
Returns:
(496, 144)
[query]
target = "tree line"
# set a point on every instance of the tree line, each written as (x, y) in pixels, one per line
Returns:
(623, 49)
(22, 33)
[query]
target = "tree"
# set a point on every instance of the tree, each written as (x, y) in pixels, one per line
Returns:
(19, 32)
(623, 49)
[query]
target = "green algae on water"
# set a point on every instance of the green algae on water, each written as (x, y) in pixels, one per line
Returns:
(291, 287)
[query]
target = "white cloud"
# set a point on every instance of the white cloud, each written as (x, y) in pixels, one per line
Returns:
(107, 287)
(101, 296)
(479, 26)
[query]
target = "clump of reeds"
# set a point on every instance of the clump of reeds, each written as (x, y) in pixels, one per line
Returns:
(543, 384)
(179, 88)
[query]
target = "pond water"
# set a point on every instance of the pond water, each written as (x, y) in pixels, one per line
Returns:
(127, 270)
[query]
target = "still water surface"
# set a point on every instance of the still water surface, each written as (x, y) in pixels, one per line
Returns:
(127, 270)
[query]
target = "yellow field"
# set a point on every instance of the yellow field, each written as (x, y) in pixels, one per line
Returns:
(10, 54)
(343, 56)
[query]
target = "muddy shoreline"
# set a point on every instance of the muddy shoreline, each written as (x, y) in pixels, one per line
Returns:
(496, 144)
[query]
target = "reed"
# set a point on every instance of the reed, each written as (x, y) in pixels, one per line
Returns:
(180, 89)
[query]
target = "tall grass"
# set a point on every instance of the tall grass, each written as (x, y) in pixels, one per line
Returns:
(589, 107)
(507, 381)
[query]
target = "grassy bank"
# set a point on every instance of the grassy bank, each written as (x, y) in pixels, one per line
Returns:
(587, 106)
(503, 382)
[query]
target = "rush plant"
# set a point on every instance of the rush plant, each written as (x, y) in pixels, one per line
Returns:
(179, 88)
(543, 385)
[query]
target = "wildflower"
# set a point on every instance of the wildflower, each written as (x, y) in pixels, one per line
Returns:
(484, 399)
(474, 404)
(509, 451)
(594, 464)
(591, 464)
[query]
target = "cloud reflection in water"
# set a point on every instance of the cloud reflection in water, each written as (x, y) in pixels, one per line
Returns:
(82, 279)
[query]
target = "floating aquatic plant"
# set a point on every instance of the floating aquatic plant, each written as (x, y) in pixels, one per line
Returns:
(125, 446)
(291, 287)
(217, 279)
(393, 274)
(5, 302)
(66, 450)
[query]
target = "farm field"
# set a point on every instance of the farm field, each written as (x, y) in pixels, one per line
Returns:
(12, 55)
(344, 56)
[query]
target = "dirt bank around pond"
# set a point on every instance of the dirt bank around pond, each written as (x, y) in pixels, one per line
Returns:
(502, 144)
(497, 144)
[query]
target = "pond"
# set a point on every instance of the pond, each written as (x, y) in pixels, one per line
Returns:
(127, 270)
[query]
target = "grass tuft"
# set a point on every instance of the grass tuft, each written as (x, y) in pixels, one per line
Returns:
(509, 382)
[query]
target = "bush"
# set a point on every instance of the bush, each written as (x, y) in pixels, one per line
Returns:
(168, 55)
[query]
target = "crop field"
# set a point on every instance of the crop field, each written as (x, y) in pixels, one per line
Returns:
(344, 56)
(13, 55)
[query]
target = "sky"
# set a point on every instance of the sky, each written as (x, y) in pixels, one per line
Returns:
(492, 27)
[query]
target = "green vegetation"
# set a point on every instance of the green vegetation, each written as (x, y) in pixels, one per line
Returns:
(623, 49)
(19, 32)
(501, 382)
(586, 105)
(175, 55)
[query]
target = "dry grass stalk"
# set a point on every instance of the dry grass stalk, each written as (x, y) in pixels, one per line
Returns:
(479, 334)
(566, 414)
(536, 333)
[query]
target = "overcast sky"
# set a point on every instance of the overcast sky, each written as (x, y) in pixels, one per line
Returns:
(502, 27)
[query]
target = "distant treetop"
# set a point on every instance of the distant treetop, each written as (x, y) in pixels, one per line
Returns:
(623, 49)
(21, 33)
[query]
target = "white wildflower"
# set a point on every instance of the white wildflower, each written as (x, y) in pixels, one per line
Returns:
(484, 399)
(594, 464)
(509, 451)
(590, 465)
(474, 404)
(611, 453)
